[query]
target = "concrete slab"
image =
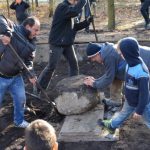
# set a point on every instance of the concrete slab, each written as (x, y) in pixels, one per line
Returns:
(83, 128)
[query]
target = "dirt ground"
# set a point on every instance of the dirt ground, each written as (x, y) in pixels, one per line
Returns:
(133, 135)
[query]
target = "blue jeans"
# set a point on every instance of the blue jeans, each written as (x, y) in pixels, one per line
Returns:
(127, 111)
(15, 86)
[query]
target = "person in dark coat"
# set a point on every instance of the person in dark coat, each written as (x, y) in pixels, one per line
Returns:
(20, 7)
(21, 37)
(61, 38)
(145, 4)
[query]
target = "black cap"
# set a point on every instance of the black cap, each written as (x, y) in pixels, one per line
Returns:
(92, 49)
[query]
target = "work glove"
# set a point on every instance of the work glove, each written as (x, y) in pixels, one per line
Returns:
(89, 19)
(94, 4)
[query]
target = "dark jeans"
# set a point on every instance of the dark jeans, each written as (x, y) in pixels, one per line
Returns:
(54, 57)
(145, 10)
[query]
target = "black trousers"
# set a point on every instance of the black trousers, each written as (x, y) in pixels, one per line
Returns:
(145, 10)
(54, 57)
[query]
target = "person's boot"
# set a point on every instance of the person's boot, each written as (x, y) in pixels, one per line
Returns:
(87, 30)
(110, 104)
(107, 125)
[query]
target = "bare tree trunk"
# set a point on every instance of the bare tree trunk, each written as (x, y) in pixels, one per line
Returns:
(8, 8)
(111, 15)
(51, 7)
(37, 3)
(32, 5)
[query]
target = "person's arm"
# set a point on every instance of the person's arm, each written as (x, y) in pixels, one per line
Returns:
(73, 11)
(13, 5)
(29, 63)
(108, 77)
(26, 5)
(4, 27)
(83, 24)
(143, 95)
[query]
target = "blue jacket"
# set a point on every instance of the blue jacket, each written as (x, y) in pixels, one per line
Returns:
(114, 66)
(137, 75)
(9, 65)
(137, 87)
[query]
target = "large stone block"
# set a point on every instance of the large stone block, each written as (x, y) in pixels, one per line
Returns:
(73, 97)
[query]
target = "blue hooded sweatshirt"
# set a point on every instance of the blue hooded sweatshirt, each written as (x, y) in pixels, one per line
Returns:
(137, 75)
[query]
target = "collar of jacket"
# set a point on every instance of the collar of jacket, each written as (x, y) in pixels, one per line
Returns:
(24, 32)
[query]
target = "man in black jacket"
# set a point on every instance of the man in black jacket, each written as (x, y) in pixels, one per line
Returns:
(62, 36)
(21, 37)
(21, 10)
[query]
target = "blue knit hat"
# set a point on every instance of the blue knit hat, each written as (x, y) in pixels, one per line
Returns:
(92, 49)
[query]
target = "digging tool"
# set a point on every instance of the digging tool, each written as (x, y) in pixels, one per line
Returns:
(30, 74)
(93, 24)
(33, 95)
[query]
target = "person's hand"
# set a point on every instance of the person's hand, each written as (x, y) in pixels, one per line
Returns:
(90, 19)
(5, 39)
(136, 116)
(33, 80)
(94, 4)
(89, 81)
(91, 77)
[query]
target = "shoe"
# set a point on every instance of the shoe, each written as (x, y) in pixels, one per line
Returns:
(24, 124)
(107, 125)
(87, 30)
(111, 103)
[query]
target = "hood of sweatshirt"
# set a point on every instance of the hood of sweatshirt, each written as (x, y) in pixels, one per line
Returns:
(130, 50)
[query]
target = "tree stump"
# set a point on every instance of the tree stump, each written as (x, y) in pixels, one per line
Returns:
(73, 97)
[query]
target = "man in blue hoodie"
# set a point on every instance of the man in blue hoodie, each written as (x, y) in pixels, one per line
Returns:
(137, 98)
(114, 64)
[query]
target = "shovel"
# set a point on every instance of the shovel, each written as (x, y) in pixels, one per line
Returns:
(53, 105)
(93, 24)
